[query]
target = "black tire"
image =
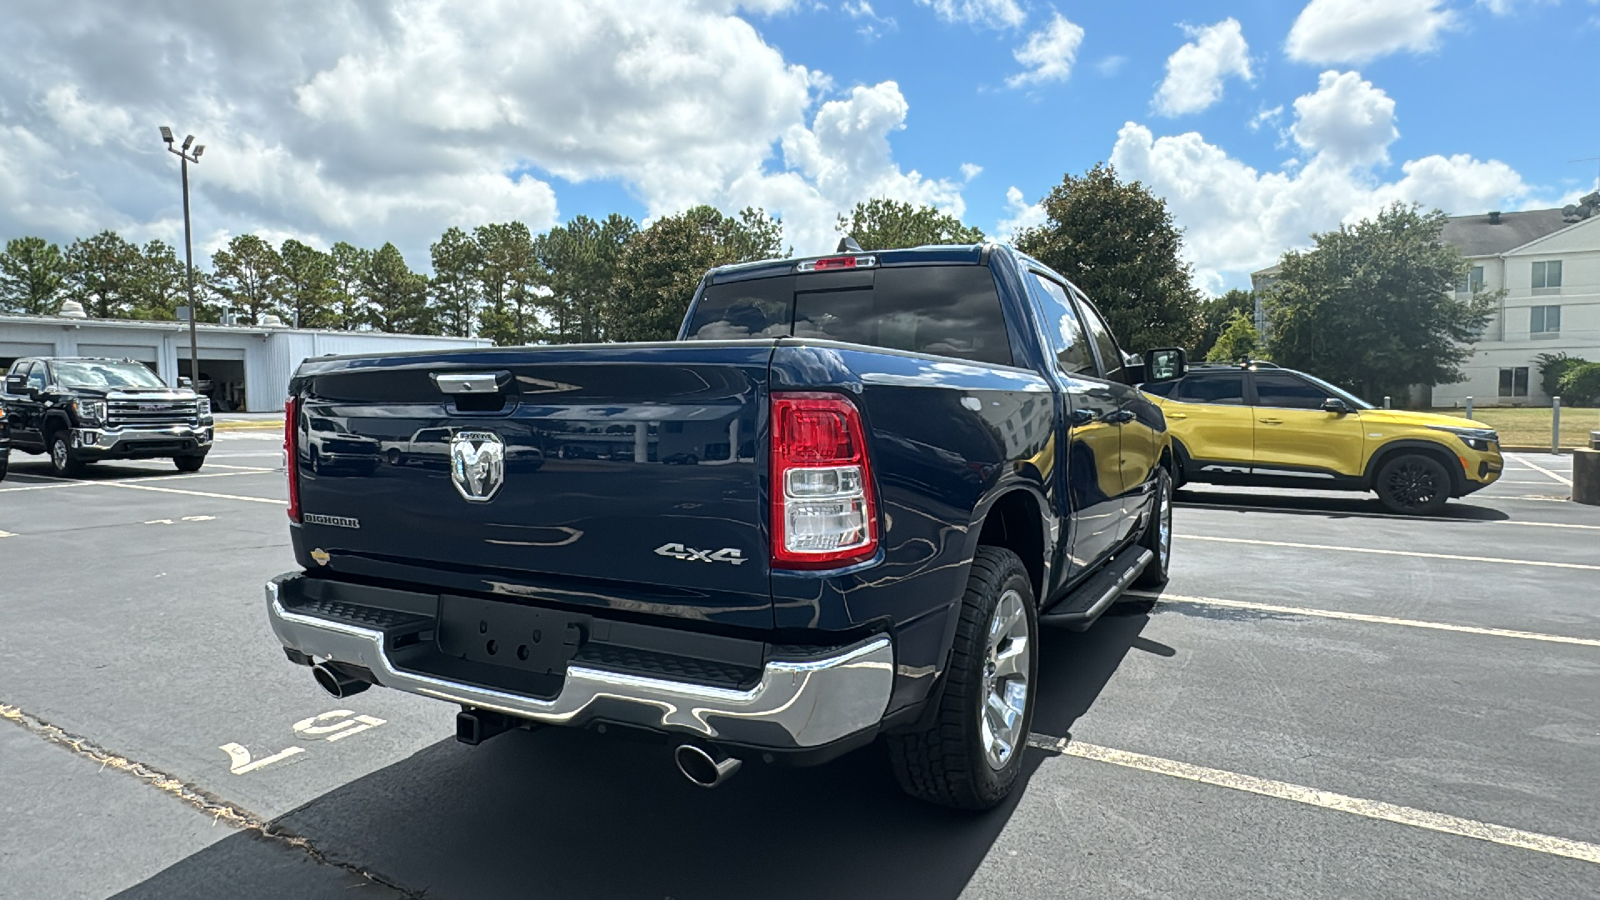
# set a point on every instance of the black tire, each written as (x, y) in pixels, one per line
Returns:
(1413, 484)
(62, 460)
(189, 463)
(5, 460)
(947, 763)
(1157, 537)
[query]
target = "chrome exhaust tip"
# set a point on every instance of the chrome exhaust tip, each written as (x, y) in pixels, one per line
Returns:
(706, 768)
(341, 680)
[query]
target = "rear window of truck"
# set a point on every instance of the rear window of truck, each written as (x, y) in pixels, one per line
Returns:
(939, 310)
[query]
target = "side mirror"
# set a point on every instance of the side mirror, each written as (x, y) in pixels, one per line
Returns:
(17, 384)
(185, 381)
(1166, 364)
(1336, 406)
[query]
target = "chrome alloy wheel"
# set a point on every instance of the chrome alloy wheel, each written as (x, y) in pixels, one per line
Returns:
(58, 454)
(1164, 524)
(1005, 680)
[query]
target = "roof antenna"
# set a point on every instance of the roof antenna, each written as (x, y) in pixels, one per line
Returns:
(847, 244)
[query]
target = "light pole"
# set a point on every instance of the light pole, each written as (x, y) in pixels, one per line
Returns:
(188, 247)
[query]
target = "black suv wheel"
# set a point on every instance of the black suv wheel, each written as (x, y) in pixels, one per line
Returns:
(1413, 484)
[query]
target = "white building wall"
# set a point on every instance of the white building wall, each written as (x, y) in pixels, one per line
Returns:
(1509, 341)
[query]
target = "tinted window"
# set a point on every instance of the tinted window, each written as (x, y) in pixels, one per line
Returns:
(1110, 356)
(940, 310)
(1225, 388)
(1160, 388)
(1286, 391)
(36, 376)
(1063, 329)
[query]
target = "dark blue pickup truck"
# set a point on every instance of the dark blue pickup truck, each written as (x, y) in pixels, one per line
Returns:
(837, 508)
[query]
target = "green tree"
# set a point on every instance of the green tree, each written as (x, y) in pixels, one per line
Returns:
(349, 309)
(884, 224)
(581, 258)
(1216, 315)
(101, 272)
(248, 274)
(1373, 305)
(1238, 341)
(396, 296)
(308, 287)
(159, 285)
(33, 276)
(1580, 385)
(1552, 368)
(510, 277)
(457, 292)
(663, 264)
(1117, 243)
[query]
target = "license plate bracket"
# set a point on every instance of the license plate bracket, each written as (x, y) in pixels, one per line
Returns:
(540, 641)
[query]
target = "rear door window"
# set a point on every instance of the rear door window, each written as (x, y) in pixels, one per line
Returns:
(1222, 388)
(939, 310)
(1286, 391)
(1063, 329)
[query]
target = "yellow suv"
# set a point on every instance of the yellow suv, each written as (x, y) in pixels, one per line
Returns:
(1260, 425)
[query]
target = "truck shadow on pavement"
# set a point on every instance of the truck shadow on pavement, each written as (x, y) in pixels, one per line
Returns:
(560, 814)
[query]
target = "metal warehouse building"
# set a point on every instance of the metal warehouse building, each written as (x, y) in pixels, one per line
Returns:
(247, 367)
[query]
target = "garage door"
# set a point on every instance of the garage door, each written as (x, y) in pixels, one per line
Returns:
(119, 351)
(12, 350)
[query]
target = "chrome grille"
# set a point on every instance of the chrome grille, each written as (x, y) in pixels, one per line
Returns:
(150, 413)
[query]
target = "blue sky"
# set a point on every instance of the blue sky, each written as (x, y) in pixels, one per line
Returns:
(329, 120)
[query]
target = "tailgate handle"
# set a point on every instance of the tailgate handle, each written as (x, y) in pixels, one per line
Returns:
(476, 383)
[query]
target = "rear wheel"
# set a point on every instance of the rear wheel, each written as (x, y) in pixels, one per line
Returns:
(1413, 484)
(190, 463)
(971, 754)
(62, 459)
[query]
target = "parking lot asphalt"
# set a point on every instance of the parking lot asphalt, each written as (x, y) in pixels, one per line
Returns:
(1326, 701)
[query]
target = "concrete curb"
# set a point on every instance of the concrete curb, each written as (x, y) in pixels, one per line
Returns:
(1565, 451)
(249, 426)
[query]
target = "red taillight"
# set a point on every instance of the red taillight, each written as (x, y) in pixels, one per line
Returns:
(823, 511)
(837, 262)
(291, 455)
(834, 263)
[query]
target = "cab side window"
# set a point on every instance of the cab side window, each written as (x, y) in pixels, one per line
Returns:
(1110, 357)
(36, 376)
(1285, 391)
(1220, 388)
(1062, 327)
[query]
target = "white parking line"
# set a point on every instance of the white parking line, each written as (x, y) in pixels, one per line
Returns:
(6, 534)
(146, 487)
(1364, 617)
(1538, 468)
(1356, 806)
(81, 482)
(1374, 550)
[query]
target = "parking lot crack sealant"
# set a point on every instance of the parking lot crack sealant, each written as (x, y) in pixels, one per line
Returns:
(219, 809)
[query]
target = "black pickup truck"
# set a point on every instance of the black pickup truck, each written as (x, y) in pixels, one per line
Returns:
(837, 508)
(80, 410)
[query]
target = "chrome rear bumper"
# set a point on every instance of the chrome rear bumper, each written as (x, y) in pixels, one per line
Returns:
(796, 704)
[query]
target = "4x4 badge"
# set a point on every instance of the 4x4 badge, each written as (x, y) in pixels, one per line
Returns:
(679, 551)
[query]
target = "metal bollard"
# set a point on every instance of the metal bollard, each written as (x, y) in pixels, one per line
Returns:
(1386, 404)
(1469, 407)
(1555, 424)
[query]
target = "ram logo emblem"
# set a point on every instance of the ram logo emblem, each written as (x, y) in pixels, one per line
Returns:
(477, 464)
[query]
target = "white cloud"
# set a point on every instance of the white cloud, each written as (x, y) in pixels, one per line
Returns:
(1022, 215)
(1355, 31)
(344, 121)
(982, 13)
(1195, 72)
(1347, 119)
(970, 171)
(1237, 219)
(1111, 65)
(1048, 53)
(1266, 117)
(1507, 7)
(873, 25)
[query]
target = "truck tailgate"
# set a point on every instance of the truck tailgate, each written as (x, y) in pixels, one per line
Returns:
(630, 475)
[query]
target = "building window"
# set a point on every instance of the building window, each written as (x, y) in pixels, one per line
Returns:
(1547, 277)
(1472, 282)
(1514, 382)
(1544, 321)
